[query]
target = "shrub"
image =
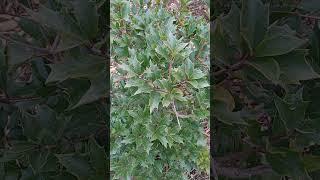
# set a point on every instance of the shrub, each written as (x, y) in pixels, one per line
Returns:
(160, 91)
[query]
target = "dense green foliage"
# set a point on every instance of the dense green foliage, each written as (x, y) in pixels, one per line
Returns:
(160, 91)
(266, 107)
(52, 92)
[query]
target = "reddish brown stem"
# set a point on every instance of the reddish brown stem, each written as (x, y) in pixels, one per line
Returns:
(242, 60)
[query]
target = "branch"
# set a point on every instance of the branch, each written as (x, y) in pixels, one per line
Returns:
(18, 99)
(232, 172)
(233, 67)
(177, 115)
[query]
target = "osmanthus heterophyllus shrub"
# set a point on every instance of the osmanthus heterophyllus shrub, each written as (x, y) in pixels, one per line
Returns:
(266, 77)
(160, 91)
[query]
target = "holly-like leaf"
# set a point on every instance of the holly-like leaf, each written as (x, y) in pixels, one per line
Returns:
(287, 163)
(189, 68)
(278, 45)
(198, 74)
(231, 24)
(133, 61)
(75, 165)
(98, 158)
(32, 28)
(154, 101)
(290, 114)
(134, 83)
(163, 141)
(51, 19)
(198, 84)
(87, 15)
(223, 114)
(82, 67)
(42, 162)
(315, 44)
(295, 67)
(254, 22)
(268, 67)
(17, 150)
(68, 42)
(224, 95)
(275, 30)
(97, 90)
(221, 48)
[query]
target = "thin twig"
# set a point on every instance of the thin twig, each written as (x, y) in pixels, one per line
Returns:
(233, 67)
(177, 115)
(169, 69)
(55, 43)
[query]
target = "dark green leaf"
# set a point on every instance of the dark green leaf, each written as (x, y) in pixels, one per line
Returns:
(98, 158)
(231, 24)
(84, 67)
(254, 22)
(268, 67)
(87, 15)
(97, 90)
(287, 163)
(295, 68)
(223, 114)
(291, 115)
(76, 165)
(278, 45)
(224, 95)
